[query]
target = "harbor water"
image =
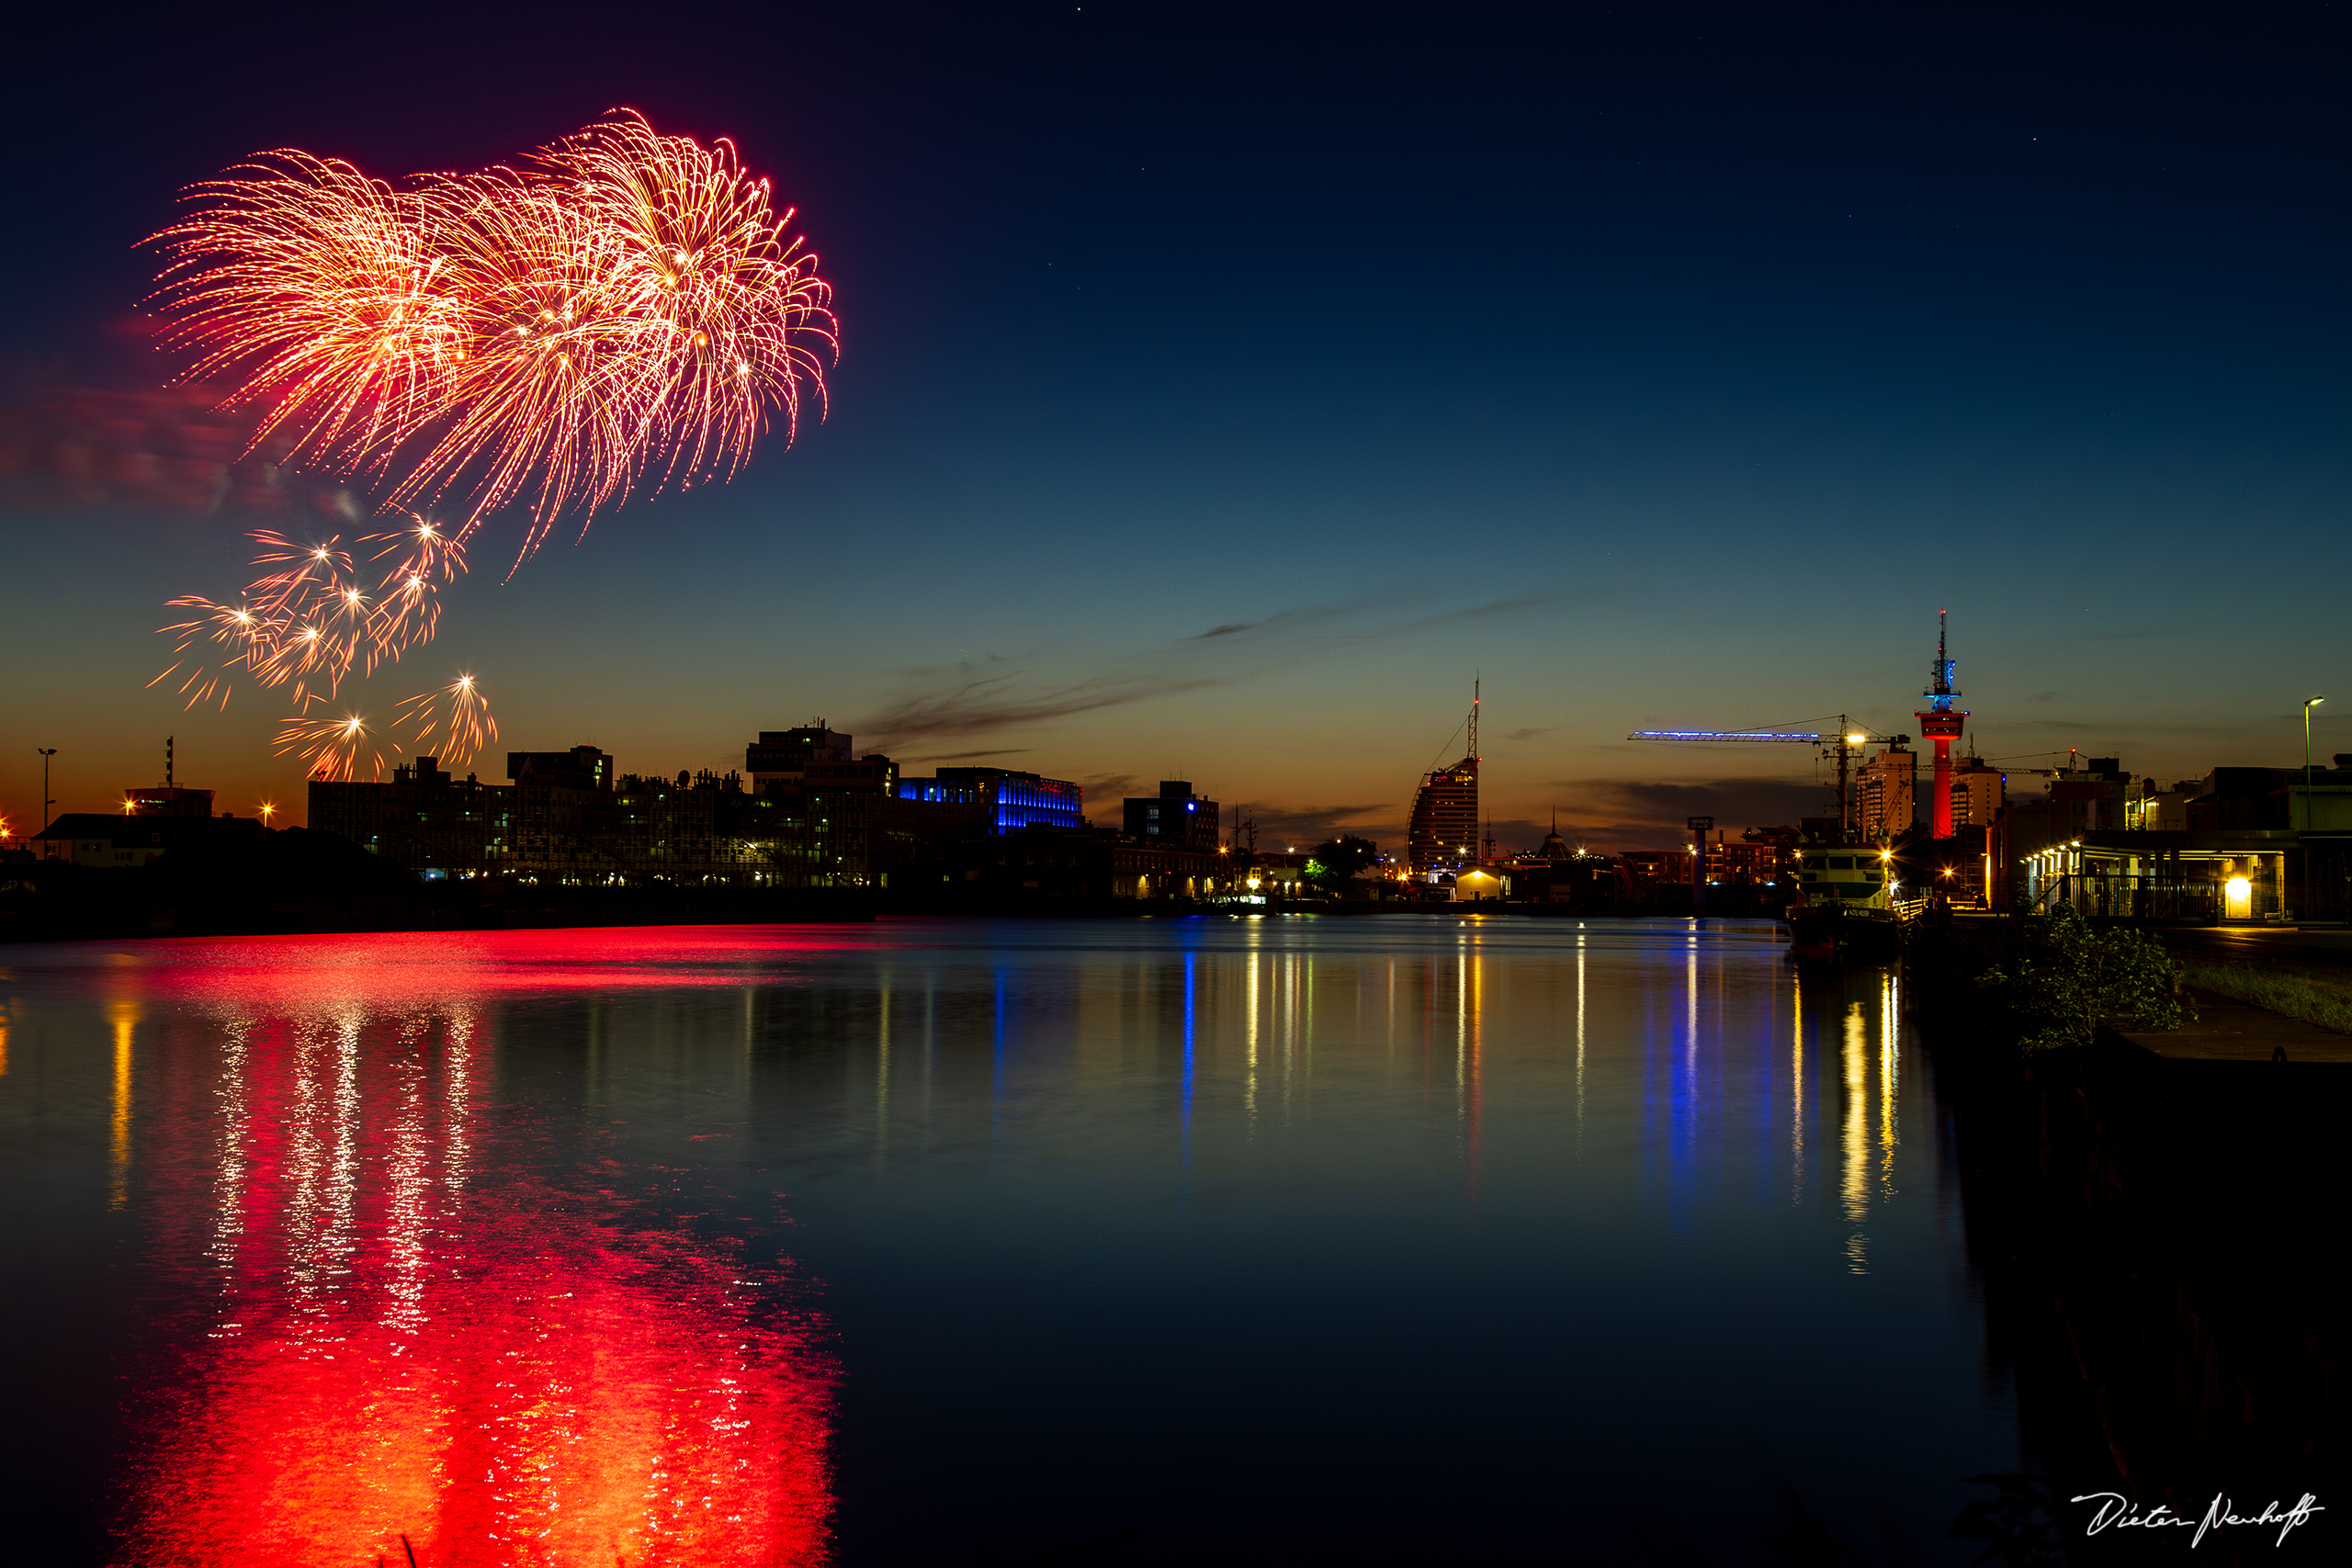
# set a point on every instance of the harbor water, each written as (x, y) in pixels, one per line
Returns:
(1280, 1240)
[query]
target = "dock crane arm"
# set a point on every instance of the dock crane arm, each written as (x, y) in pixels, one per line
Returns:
(1842, 744)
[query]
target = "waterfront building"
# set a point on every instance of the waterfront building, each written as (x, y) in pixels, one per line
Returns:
(1659, 867)
(1044, 864)
(1754, 862)
(571, 817)
(1175, 817)
(423, 819)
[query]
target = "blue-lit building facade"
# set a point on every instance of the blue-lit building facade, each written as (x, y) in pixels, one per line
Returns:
(1015, 800)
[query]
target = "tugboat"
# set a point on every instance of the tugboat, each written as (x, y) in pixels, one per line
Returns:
(1843, 911)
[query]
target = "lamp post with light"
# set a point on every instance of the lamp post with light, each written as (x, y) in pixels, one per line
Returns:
(2305, 791)
(46, 753)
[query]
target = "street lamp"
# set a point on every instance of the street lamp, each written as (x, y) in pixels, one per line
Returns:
(46, 753)
(2306, 856)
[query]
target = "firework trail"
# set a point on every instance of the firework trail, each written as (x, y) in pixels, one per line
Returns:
(625, 309)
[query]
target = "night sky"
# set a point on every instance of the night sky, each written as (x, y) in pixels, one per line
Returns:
(1653, 364)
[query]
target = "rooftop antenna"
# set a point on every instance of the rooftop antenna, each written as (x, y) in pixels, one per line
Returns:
(167, 761)
(1473, 718)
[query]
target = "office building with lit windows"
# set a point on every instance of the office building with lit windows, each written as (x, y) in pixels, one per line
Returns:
(1175, 817)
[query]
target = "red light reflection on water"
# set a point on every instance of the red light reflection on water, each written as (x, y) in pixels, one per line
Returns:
(403, 1334)
(303, 972)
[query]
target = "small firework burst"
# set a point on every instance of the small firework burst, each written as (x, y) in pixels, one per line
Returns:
(457, 713)
(333, 748)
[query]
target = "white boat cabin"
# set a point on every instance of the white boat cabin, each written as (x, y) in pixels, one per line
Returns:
(1852, 873)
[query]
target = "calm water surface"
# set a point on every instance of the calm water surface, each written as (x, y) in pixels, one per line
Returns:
(1286, 1240)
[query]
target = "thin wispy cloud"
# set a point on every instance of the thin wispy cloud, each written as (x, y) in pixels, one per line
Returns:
(1304, 826)
(997, 693)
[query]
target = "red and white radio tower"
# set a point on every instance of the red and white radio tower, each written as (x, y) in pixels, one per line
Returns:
(1940, 722)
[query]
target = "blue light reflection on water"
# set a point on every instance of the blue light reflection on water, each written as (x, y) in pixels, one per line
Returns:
(1484, 1233)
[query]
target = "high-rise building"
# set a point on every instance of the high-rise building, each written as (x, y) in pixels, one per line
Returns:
(1444, 832)
(1885, 793)
(1977, 794)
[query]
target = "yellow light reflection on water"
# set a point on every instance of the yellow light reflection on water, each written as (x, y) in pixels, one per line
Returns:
(125, 1016)
(1854, 1185)
(1890, 1021)
(1249, 1038)
(1797, 1089)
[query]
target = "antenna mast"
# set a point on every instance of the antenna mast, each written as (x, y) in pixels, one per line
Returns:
(1473, 718)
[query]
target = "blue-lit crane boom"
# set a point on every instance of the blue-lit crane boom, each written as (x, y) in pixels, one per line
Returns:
(1806, 735)
(1841, 743)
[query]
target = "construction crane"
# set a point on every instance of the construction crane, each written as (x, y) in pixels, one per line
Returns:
(2070, 754)
(1842, 744)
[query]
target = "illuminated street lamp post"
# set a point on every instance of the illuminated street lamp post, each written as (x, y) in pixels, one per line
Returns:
(2306, 792)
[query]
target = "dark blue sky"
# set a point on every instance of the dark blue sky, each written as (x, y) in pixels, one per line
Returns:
(1659, 364)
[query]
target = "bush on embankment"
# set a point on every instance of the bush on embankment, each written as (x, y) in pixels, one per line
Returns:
(2042, 982)
(2293, 995)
